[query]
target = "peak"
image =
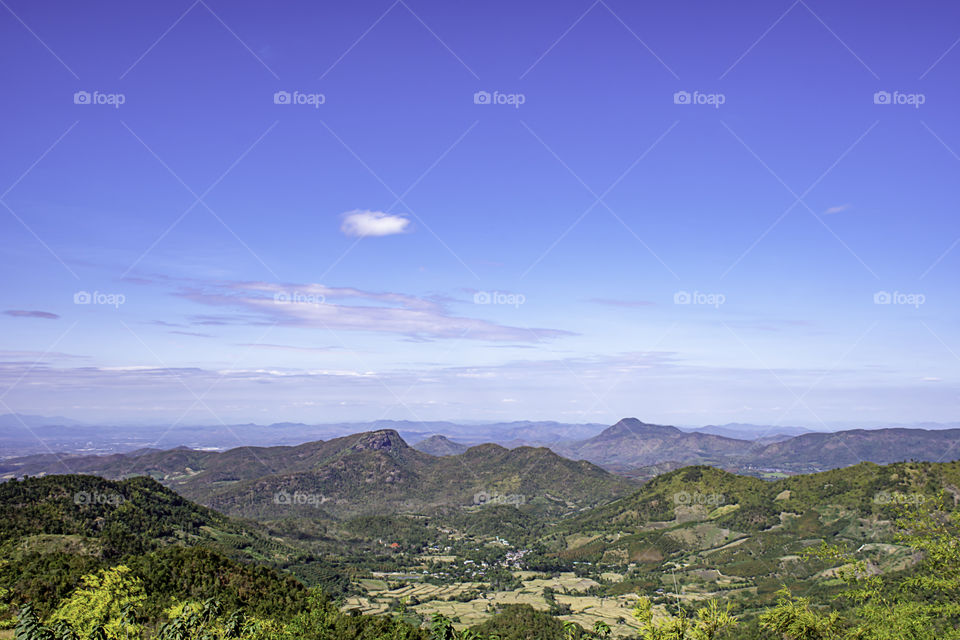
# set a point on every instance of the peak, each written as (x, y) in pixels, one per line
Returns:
(380, 440)
(632, 426)
(486, 448)
(440, 445)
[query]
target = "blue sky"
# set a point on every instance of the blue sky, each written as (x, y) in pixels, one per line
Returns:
(570, 210)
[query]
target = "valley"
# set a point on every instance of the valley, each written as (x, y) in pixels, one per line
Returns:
(383, 529)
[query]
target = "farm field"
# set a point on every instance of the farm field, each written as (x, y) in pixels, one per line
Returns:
(568, 589)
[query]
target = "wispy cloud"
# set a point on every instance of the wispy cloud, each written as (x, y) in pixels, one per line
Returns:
(837, 209)
(17, 313)
(361, 223)
(349, 309)
(286, 347)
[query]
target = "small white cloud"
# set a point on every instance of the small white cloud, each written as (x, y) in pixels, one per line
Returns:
(838, 209)
(361, 223)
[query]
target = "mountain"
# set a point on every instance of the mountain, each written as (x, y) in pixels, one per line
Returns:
(818, 451)
(631, 443)
(707, 530)
(754, 432)
(372, 473)
(440, 446)
(130, 516)
(65, 537)
(61, 434)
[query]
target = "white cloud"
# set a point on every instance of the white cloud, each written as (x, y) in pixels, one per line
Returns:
(838, 209)
(360, 223)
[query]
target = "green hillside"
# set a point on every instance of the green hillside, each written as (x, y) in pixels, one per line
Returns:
(374, 473)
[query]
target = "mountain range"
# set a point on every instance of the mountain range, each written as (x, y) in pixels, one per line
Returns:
(367, 473)
(631, 444)
(22, 434)
(378, 473)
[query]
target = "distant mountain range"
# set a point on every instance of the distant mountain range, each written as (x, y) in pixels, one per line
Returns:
(367, 473)
(753, 432)
(22, 434)
(440, 446)
(631, 444)
(25, 434)
(631, 447)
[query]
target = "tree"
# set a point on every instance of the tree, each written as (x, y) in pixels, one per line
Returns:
(101, 600)
(441, 628)
(29, 626)
(706, 625)
(601, 629)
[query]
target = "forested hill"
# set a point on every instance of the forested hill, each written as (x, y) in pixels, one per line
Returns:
(373, 473)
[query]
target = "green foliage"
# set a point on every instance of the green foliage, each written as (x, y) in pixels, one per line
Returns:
(708, 622)
(198, 574)
(921, 606)
(103, 600)
(523, 622)
(127, 517)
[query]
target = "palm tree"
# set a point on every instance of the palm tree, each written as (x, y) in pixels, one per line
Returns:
(441, 628)
(29, 627)
(601, 629)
